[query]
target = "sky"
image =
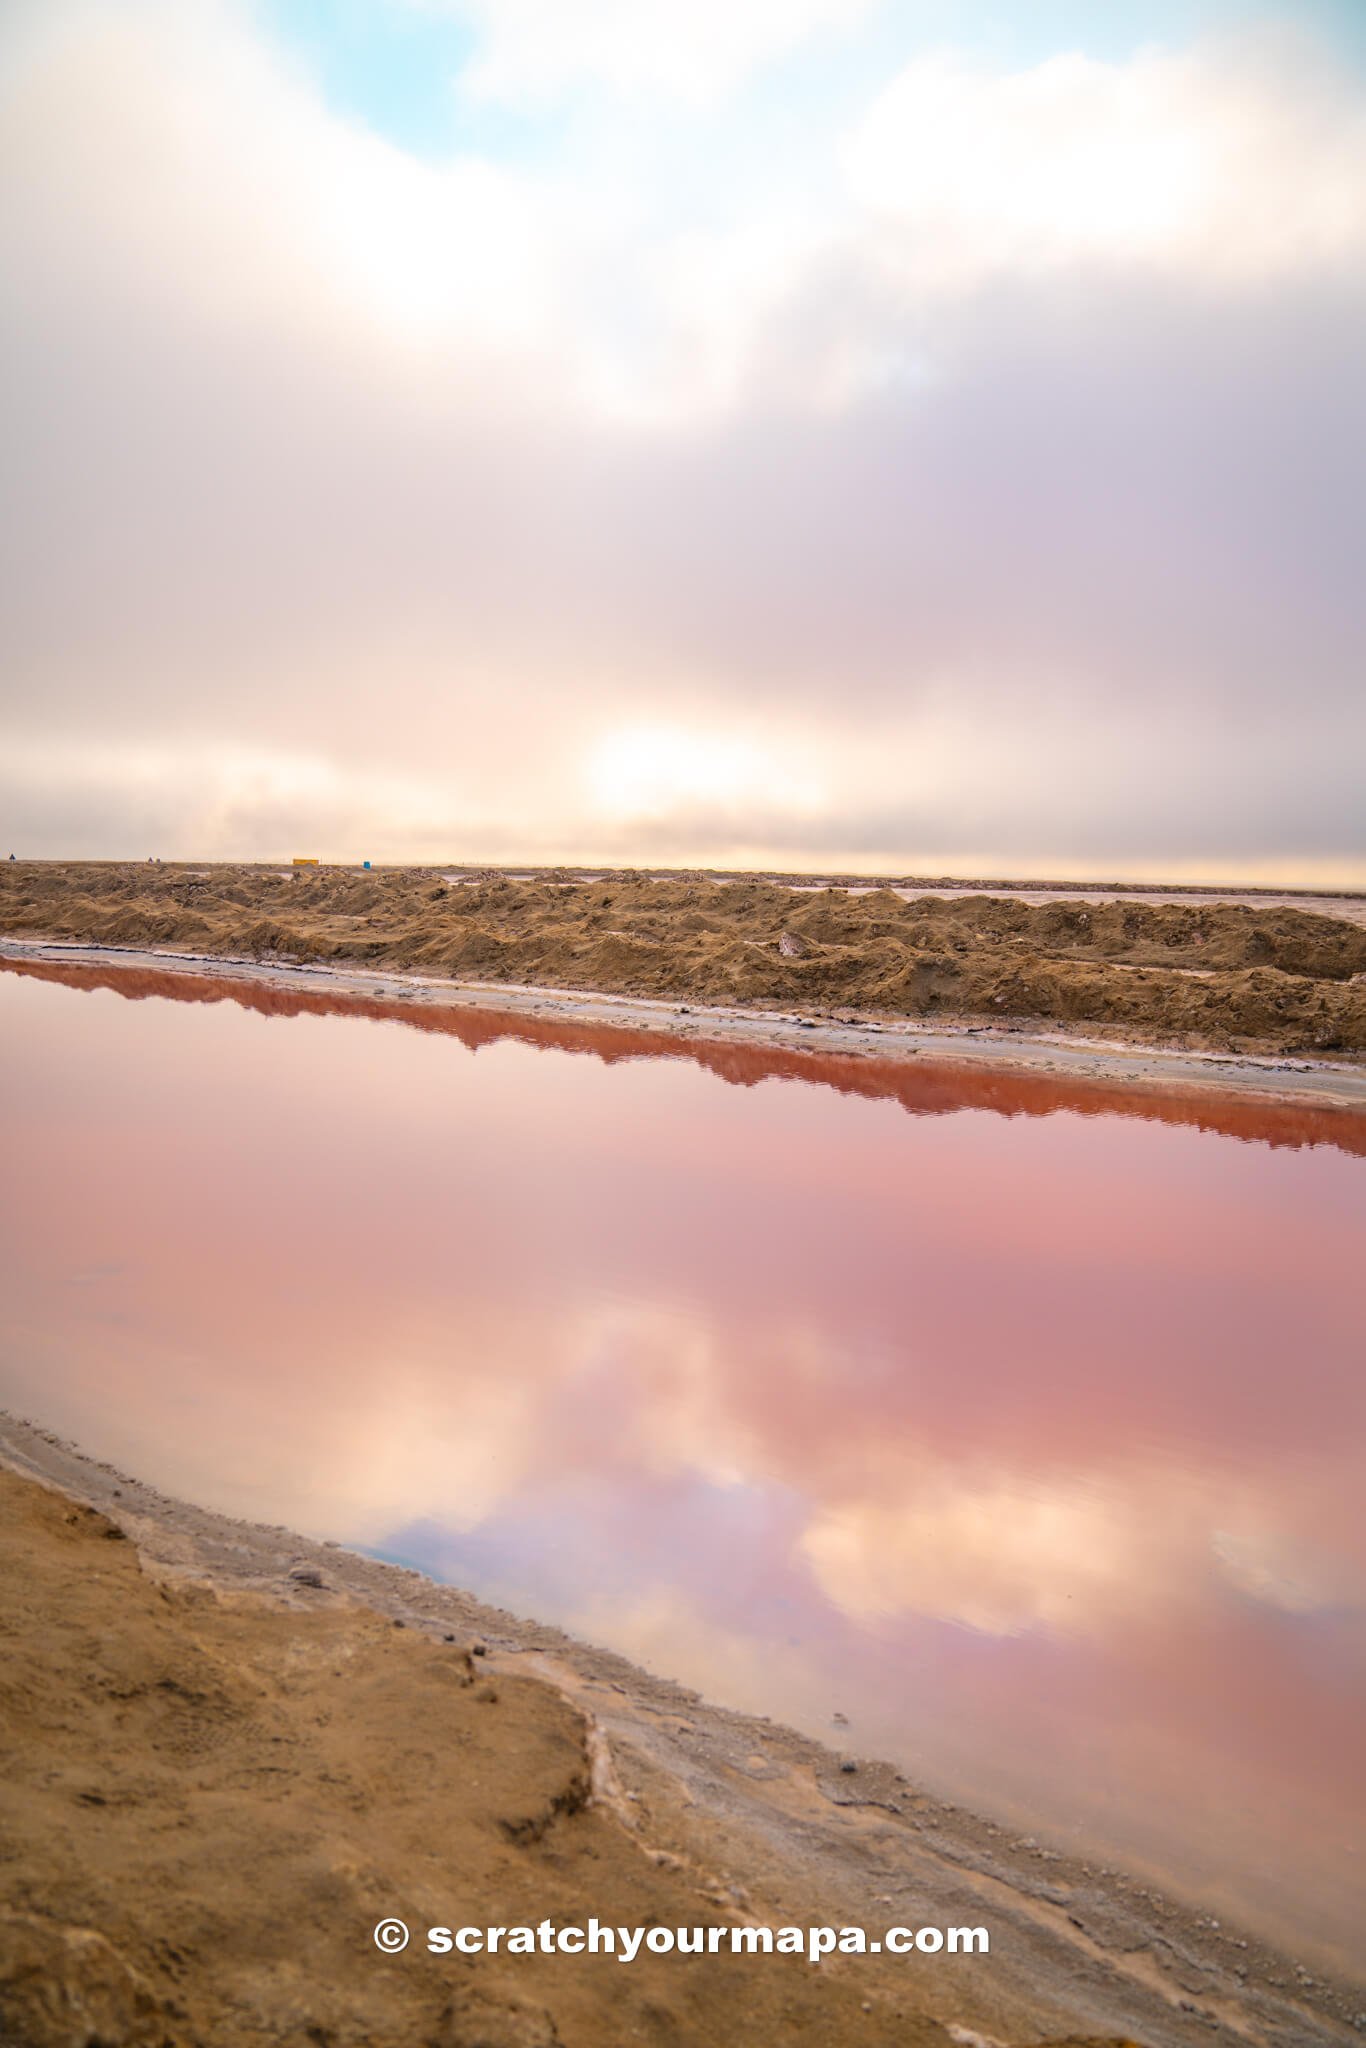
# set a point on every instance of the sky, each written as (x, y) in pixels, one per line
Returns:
(917, 436)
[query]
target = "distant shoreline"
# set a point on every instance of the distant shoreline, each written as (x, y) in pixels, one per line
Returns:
(795, 878)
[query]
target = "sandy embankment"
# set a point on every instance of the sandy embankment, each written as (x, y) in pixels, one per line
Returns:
(1254, 977)
(224, 1760)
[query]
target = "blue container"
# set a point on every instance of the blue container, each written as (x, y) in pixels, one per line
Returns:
(365, 863)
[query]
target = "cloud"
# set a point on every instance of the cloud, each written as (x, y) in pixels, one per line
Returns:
(972, 513)
(1239, 160)
(528, 52)
(663, 772)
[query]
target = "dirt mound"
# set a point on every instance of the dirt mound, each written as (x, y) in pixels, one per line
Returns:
(1216, 976)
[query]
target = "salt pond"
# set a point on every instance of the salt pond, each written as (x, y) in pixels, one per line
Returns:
(1015, 1433)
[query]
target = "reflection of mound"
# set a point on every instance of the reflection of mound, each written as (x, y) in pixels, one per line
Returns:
(1272, 978)
(925, 1088)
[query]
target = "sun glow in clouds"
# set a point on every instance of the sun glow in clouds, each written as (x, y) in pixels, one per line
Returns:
(922, 448)
(655, 771)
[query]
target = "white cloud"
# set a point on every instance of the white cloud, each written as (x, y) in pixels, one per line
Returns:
(210, 174)
(1237, 160)
(688, 49)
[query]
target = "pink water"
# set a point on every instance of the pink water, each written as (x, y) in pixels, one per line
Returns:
(1022, 1425)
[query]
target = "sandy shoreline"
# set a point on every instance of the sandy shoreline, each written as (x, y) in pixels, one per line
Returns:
(1332, 1084)
(764, 1820)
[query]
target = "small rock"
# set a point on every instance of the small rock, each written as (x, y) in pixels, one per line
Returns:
(478, 1649)
(307, 1575)
(848, 1766)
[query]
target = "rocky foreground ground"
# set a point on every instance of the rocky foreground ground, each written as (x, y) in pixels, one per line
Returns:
(1226, 977)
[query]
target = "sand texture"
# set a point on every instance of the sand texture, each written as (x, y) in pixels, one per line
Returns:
(222, 1760)
(1255, 977)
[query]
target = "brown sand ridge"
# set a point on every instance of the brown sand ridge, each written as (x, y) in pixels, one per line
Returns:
(1219, 976)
